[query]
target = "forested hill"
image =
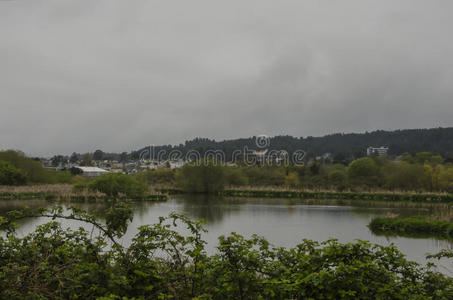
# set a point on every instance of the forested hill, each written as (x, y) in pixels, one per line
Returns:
(436, 140)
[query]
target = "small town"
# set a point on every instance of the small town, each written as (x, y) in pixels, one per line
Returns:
(92, 165)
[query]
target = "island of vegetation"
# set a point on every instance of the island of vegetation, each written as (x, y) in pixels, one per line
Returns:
(412, 226)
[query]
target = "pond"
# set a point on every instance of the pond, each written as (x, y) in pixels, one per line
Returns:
(283, 222)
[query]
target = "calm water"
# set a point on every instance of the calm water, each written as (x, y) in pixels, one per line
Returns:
(283, 222)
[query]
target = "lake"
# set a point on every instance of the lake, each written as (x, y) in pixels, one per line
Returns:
(284, 222)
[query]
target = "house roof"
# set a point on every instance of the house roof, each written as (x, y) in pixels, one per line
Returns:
(92, 169)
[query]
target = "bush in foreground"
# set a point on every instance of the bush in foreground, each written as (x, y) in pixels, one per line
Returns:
(162, 264)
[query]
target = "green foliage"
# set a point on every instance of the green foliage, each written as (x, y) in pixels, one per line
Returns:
(114, 185)
(404, 176)
(159, 176)
(338, 178)
(33, 170)
(364, 171)
(265, 175)
(236, 177)
(343, 147)
(292, 179)
(161, 263)
(202, 177)
(98, 155)
(9, 175)
(414, 226)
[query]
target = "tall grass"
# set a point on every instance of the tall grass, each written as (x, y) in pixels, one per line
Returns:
(65, 192)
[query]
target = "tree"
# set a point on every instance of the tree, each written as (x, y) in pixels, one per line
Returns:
(57, 160)
(98, 155)
(235, 176)
(423, 157)
(406, 157)
(32, 169)
(292, 179)
(207, 177)
(337, 178)
(364, 171)
(114, 184)
(74, 158)
(404, 176)
(9, 175)
(446, 179)
(449, 157)
(86, 160)
(123, 157)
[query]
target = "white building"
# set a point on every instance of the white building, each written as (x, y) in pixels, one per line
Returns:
(380, 151)
(92, 171)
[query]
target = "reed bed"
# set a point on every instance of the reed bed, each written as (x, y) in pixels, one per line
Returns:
(44, 188)
(64, 192)
(298, 194)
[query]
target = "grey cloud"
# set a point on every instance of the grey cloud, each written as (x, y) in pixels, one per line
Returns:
(118, 75)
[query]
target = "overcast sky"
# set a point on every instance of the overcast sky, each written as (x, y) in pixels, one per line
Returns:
(119, 75)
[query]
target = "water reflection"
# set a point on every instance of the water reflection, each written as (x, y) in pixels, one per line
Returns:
(284, 222)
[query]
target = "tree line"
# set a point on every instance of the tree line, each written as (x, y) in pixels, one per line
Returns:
(18, 169)
(343, 147)
(423, 172)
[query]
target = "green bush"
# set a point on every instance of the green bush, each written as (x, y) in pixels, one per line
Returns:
(115, 184)
(417, 225)
(202, 177)
(160, 263)
(159, 176)
(266, 175)
(364, 171)
(235, 176)
(9, 175)
(33, 170)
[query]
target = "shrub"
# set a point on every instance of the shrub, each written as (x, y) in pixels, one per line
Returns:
(292, 179)
(9, 175)
(204, 177)
(266, 175)
(161, 263)
(114, 184)
(159, 176)
(33, 170)
(364, 171)
(235, 176)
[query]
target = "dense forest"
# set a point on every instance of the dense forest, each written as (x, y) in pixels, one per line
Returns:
(343, 147)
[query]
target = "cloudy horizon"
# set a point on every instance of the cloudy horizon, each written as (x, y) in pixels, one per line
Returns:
(119, 75)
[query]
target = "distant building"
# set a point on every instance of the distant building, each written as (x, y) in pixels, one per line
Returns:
(177, 164)
(91, 171)
(380, 151)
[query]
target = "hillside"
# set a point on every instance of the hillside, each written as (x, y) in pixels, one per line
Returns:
(340, 145)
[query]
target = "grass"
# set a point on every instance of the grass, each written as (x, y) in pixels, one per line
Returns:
(64, 192)
(412, 226)
(300, 194)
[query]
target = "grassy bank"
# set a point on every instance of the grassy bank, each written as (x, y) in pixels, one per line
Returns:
(64, 192)
(413, 226)
(297, 194)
